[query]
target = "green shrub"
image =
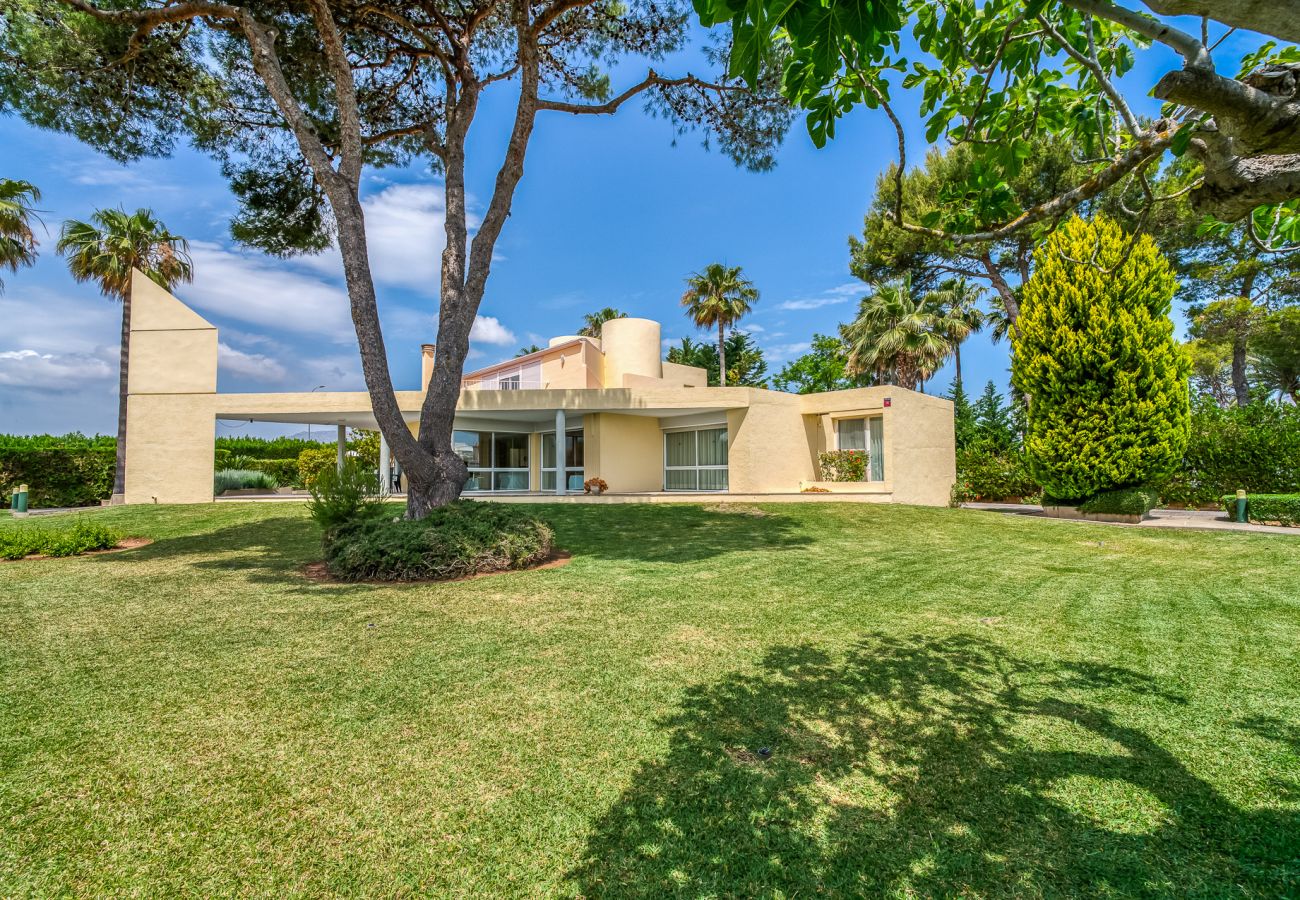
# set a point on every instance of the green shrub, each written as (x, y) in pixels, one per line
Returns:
(242, 479)
(1095, 354)
(313, 461)
(58, 476)
(1284, 509)
(463, 538)
(1254, 448)
(986, 474)
(59, 540)
(284, 471)
(844, 465)
(265, 448)
(1124, 502)
(338, 498)
(221, 458)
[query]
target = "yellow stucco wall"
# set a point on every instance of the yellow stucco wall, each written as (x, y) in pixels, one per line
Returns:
(923, 449)
(171, 399)
(769, 450)
(626, 451)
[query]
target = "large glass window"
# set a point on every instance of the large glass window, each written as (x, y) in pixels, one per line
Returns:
(498, 461)
(695, 460)
(864, 434)
(574, 460)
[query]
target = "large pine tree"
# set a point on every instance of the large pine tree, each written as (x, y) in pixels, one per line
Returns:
(1095, 356)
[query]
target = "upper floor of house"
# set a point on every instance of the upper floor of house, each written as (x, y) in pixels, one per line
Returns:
(627, 354)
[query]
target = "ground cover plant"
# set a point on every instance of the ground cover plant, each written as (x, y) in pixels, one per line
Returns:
(61, 538)
(464, 538)
(954, 703)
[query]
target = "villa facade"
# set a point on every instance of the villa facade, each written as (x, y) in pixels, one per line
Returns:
(541, 424)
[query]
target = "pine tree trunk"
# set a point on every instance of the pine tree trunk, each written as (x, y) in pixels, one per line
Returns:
(722, 356)
(1239, 385)
(119, 476)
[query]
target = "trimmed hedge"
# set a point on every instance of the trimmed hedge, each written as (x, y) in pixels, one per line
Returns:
(1266, 509)
(77, 476)
(1124, 502)
(1255, 448)
(463, 538)
(264, 448)
(83, 535)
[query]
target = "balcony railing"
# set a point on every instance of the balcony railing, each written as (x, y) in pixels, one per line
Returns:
(508, 383)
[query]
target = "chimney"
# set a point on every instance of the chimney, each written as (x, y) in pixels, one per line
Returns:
(426, 364)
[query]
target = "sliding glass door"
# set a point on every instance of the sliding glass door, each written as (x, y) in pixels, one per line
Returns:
(497, 460)
(574, 460)
(695, 460)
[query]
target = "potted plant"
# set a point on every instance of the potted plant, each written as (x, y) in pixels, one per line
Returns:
(594, 486)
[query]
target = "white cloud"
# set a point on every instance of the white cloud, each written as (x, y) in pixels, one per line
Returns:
(45, 320)
(52, 371)
(812, 303)
(265, 292)
(404, 228)
(786, 351)
(489, 330)
(840, 294)
(256, 366)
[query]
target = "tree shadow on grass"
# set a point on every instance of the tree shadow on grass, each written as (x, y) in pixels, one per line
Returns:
(274, 550)
(929, 767)
(268, 550)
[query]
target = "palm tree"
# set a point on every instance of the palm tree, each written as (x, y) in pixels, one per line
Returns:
(530, 349)
(17, 241)
(957, 303)
(593, 321)
(719, 297)
(896, 337)
(106, 250)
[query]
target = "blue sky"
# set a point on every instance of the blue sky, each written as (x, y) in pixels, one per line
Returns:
(611, 212)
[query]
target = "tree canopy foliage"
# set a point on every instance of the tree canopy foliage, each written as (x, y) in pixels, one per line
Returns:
(297, 98)
(746, 366)
(995, 75)
(823, 368)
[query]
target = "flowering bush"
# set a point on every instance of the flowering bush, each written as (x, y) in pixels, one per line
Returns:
(984, 474)
(594, 484)
(844, 465)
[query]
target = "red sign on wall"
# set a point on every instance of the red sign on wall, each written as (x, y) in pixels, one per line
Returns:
(888, 402)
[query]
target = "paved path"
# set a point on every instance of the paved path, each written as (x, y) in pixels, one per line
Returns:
(1196, 519)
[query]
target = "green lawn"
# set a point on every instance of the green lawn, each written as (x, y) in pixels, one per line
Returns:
(956, 703)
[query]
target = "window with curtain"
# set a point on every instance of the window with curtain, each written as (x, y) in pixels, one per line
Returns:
(695, 460)
(574, 460)
(851, 434)
(876, 430)
(864, 434)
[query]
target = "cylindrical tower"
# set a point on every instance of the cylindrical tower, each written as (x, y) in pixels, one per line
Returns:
(631, 347)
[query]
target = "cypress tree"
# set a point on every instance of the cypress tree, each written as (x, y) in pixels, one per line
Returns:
(1096, 359)
(965, 428)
